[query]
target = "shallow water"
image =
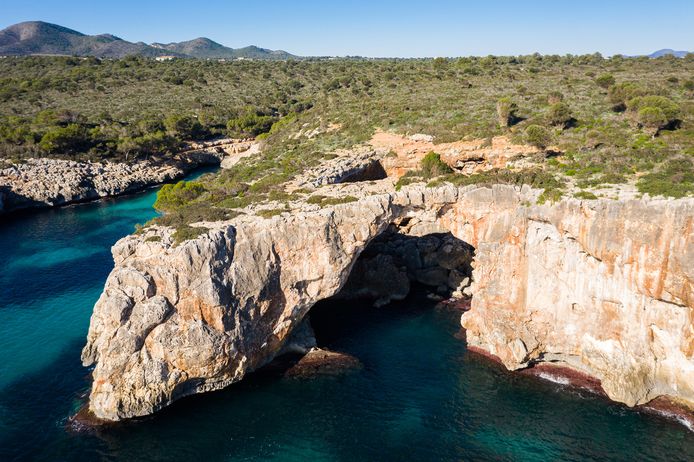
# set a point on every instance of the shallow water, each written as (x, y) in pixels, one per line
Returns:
(420, 395)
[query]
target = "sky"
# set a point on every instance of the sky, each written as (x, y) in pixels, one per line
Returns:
(403, 28)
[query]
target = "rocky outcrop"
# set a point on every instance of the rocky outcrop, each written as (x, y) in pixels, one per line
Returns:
(42, 182)
(405, 153)
(603, 287)
(350, 166)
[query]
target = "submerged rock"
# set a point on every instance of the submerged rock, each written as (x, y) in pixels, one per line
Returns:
(323, 362)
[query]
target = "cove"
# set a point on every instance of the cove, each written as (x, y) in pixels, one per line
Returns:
(420, 395)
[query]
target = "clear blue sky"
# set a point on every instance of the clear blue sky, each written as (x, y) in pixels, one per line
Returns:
(403, 28)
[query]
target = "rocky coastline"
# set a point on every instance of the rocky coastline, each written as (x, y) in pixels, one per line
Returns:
(601, 287)
(43, 182)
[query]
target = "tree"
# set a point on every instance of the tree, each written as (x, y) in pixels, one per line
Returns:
(538, 136)
(70, 139)
(187, 127)
(506, 112)
(250, 124)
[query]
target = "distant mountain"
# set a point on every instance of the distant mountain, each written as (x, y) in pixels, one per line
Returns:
(41, 38)
(203, 47)
(668, 51)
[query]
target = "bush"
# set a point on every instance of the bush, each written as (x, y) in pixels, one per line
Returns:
(670, 109)
(250, 125)
(652, 119)
(433, 166)
(538, 136)
(186, 127)
(585, 195)
(506, 112)
(559, 114)
(70, 139)
(605, 80)
(173, 196)
(620, 93)
(186, 233)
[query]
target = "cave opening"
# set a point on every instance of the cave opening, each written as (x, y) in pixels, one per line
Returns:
(397, 272)
(372, 171)
(395, 262)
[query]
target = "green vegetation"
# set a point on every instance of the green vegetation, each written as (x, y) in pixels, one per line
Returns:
(559, 114)
(605, 80)
(325, 201)
(611, 120)
(506, 112)
(432, 166)
(585, 195)
(174, 196)
(538, 136)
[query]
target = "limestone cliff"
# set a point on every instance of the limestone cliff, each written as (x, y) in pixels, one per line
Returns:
(604, 287)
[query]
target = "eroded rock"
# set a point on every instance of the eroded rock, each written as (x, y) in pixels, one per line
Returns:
(602, 287)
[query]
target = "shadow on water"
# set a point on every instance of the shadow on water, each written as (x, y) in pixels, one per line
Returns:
(420, 396)
(36, 406)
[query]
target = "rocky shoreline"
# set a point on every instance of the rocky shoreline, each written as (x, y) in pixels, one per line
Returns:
(602, 287)
(42, 182)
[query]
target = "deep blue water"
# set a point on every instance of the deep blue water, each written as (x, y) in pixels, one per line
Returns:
(419, 396)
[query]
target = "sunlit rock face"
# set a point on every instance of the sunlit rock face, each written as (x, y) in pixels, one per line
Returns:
(604, 287)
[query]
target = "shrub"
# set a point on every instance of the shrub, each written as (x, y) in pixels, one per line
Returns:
(670, 109)
(585, 195)
(559, 114)
(70, 139)
(433, 166)
(506, 112)
(323, 201)
(173, 196)
(538, 136)
(652, 119)
(250, 125)
(186, 233)
(186, 127)
(605, 80)
(269, 213)
(674, 179)
(620, 93)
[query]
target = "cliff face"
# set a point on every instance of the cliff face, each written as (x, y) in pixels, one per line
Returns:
(604, 287)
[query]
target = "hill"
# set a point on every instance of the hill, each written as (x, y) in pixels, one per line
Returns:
(668, 51)
(41, 38)
(202, 47)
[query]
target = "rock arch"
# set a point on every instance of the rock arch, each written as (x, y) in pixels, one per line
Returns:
(604, 287)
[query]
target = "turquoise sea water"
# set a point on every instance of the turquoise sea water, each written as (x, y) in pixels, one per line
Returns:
(419, 396)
